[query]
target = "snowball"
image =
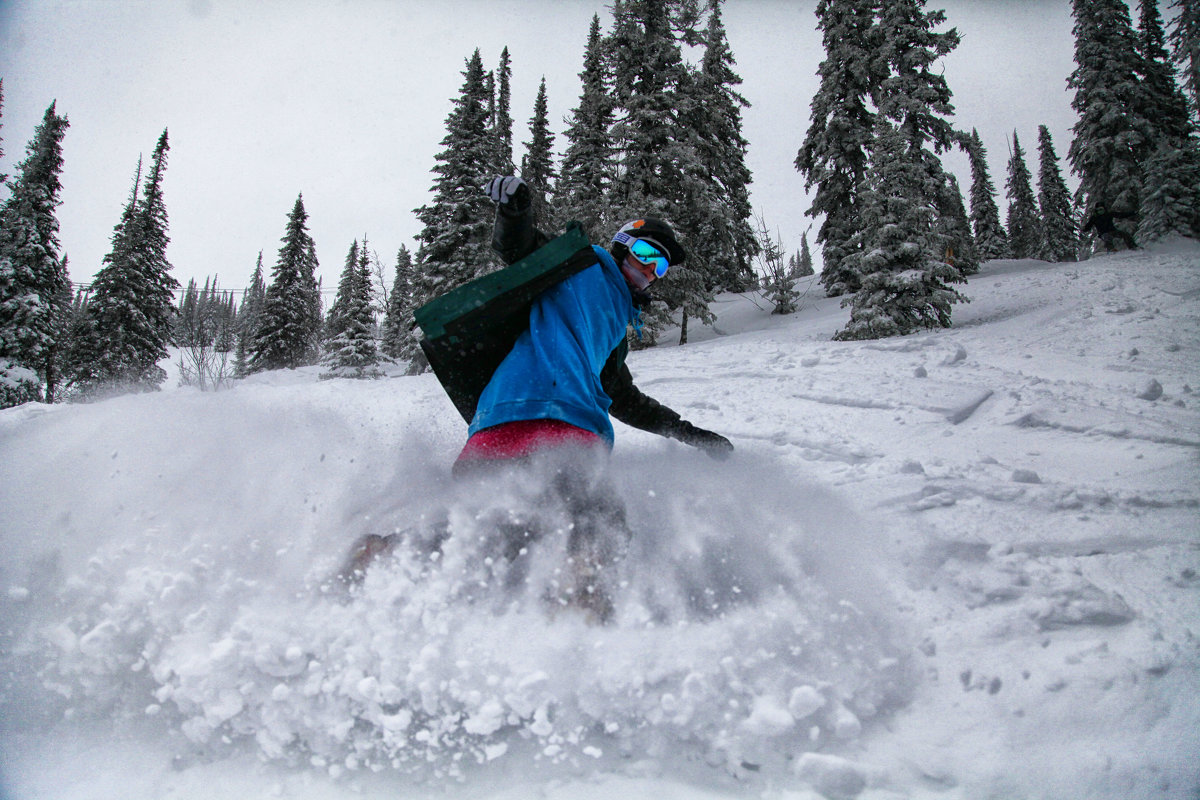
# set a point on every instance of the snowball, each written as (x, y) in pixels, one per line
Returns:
(834, 777)
(1151, 390)
(804, 702)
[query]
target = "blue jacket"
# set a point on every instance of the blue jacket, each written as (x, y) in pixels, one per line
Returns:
(554, 370)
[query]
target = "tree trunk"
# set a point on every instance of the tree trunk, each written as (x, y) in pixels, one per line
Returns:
(683, 329)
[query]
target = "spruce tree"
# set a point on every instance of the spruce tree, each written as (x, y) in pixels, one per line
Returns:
(455, 242)
(727, 238)
(3, 176)
(1113, 137)
(586, 175)
(905, 285)
(991, 241)
(661, 173)
(248, 314)
(33, 278)
(537, 165)
(1024, 228)
(343, 301)
(502, 123)
(352, 351)
(133, 300)
(1060, 239)
(803, 260)
(836, 149)
(1185, 47)
(399, 340)
(954, 227)
(289, 325)
(1167, 109)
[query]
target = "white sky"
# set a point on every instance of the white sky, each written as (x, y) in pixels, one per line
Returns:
(346, 102)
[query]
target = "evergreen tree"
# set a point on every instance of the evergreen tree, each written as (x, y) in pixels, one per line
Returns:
(777, 280)
(661, 173)
(33, 278)
(537, 165)
(802, 262)
(726, 238)
(502, 124)
(904, 284)
(586, 176)
(399, 339)
(352, 351)
(836, 149)
(1171, 193)
(990, 239)
(1185, 46)
(1113, 137)
(248, 314)
(133, 300)
(3, 176)
(954, 227)
(1167, 108)
(289, 324)
(1024, 228)
(1060, 239)
(455, 243)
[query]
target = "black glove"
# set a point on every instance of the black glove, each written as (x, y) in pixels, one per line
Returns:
(714, 444)
(508, 190)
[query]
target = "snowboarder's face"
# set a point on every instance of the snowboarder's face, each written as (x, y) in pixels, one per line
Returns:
(638, 275)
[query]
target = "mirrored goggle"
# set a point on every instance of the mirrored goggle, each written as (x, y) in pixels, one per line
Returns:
(650, 255)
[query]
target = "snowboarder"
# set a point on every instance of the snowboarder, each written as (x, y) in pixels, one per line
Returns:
(554, 393)
(1102, 221)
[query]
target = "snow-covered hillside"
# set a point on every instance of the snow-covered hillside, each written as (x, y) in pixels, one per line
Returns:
(960, 564)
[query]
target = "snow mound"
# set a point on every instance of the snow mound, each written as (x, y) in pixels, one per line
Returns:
(749, 626)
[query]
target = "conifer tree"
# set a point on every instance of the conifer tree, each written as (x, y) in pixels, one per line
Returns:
(661, 173)
(455, 242)
(347, 288)
(1167, 108)
(726, 239)
(1185, 46)
(288, 331)
(352, 351)
(133, 300)
(835, 152)
(3, 176)
(1024, 228)
(537, 165)
(904, 285)
(802, 262)
(954, 227)
(502, 123)
(33, 278)
(990, 239)
(1060, 239)
(586, 175)
(248, 314)
(1113, 137)
(399, 341)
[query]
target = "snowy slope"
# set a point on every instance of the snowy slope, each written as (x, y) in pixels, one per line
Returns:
(959, 564)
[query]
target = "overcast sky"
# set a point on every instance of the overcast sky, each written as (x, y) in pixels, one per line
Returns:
(347, 101)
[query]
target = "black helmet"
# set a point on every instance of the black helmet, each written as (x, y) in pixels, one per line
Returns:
(655, 231)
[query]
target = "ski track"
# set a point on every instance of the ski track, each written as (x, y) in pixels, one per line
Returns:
(959, 564)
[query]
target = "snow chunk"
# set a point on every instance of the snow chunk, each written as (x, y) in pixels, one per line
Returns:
(1151, 390)
(486, 720)
(768, 718)
(834, 777)
(804, 702)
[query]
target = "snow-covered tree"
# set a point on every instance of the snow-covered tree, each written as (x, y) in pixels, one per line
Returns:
(586, 175)
(905, 283)
(801, 264)
(836, 149)
(1024, 227)
(1171, 193)
(253, 298)
(954, 227)
(726, 239)
(205, 334)
(3, 176)
(537, 165)
(399, 339)
(289, 324)
(455, 242)
(1185, 47)
(1166, 107)
(1113, 136)
(34, 288)
(1060, 237)
(351, 351)
(990, 239)
(777, 279)
(133, 294)
(502, 122)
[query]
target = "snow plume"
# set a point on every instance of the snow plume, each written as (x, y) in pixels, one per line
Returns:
(747, 627)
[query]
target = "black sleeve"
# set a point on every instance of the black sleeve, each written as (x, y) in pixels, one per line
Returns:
(629, 404)
(514, 235)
